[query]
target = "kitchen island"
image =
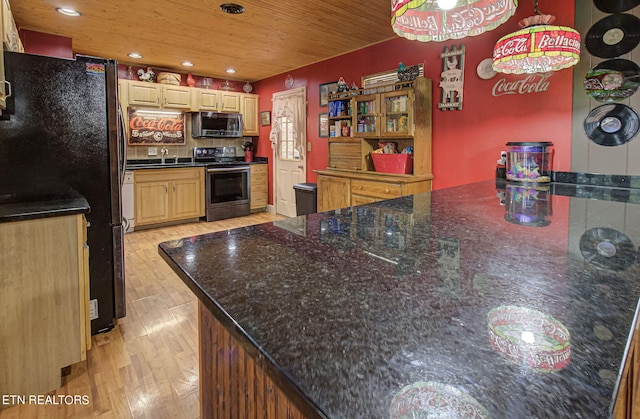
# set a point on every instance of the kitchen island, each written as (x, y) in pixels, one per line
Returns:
(484, 300)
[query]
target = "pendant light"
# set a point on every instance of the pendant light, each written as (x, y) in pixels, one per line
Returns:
(539, 47)
(431, 20)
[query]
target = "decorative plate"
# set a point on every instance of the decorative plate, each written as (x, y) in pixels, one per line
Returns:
(288, 81)
(484, 70)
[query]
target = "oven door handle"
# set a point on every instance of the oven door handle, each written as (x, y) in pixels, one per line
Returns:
(228, 169)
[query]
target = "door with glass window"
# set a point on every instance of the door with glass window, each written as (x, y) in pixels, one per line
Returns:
(289, 113)
(290, 169)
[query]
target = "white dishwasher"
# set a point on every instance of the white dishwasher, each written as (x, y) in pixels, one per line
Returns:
(127, 202)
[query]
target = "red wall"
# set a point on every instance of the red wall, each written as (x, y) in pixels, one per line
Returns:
(46, 44)
(466, 143)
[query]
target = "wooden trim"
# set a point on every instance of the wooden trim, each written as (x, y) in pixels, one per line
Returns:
(235, 384)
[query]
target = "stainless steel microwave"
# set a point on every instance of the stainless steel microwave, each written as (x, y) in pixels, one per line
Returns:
(216, 125)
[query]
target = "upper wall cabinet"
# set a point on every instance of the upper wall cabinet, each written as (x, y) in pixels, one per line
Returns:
(249, 111)
(215, 100)
(157, 95)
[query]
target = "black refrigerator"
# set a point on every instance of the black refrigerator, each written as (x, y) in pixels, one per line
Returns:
(63, 124)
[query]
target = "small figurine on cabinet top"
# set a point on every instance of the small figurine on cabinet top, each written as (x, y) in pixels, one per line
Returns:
(342, 85)
(148, 75)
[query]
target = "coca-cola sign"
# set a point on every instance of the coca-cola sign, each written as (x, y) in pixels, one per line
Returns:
(533, 83)
(155, 127)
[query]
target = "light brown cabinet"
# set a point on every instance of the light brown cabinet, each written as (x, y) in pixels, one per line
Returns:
(167, 195)
(44, 295)
(249, 111)
(215, 100)
(341, 189)
(259, 178)
(395, 113)
(156, 95)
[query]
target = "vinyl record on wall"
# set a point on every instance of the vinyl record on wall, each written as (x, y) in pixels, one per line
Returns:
(612, 124)
(613, 35)
(612, 80)
(615, 6)
(607, 248)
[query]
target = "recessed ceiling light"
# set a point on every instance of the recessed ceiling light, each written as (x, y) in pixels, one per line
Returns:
(232, 8)
(68, 12)
(187, 63)
(230, 70)
(134, 55)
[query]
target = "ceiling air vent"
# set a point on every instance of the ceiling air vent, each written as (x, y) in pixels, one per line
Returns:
(232, 8)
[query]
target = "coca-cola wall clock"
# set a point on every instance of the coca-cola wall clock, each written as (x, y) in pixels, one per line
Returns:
(452, 78)
(155, 127)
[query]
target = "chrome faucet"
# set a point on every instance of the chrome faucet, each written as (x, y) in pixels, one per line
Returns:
(163, 153)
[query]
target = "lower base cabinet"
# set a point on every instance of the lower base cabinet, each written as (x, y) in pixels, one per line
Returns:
(340, 189)
(166, 195)
(259, 179)
(44, 302)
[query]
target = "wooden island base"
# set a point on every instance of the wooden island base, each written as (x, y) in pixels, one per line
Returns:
(234, 383)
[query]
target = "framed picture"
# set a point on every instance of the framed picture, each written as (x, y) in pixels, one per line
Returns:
(323, 125)
(265, 118)
(325, 89)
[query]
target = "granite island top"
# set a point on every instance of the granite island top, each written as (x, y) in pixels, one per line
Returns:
(28, 201)
(493, 300)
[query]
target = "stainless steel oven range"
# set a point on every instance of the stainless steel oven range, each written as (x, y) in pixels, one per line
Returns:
(226, 182)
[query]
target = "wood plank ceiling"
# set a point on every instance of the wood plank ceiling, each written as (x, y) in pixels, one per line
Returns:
(269, 38)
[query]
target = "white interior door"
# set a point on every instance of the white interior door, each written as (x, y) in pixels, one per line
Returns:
(290, 169)
(289, 139)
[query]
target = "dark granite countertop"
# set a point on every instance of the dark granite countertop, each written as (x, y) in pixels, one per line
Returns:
(178, 162)
(504, 301)
(28, 201)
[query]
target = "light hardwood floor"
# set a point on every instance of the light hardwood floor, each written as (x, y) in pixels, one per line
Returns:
(147, 366)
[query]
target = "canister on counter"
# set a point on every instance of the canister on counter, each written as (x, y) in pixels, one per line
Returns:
(529, 161)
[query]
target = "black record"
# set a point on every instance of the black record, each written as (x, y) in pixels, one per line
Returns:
(615, 6)
(607, 248)
(613, 36)
(611, 124)
(612, 80)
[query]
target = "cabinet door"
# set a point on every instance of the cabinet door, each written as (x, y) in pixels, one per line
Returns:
(144, 94)
(333, 193)
(397, 116)
(249, 110)
(185, 199)
(151, 202)
(367, 116)
(229, 101)
(177, 97)
(345, 155)
(259, 181)
(207, 100)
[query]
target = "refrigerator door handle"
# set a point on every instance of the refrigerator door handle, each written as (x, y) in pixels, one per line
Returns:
(8, 91)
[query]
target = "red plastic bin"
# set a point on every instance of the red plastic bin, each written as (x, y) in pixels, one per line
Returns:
(393, 163)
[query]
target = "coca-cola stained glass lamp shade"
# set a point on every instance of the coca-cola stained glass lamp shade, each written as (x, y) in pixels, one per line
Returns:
(539, 47)
(427, 20)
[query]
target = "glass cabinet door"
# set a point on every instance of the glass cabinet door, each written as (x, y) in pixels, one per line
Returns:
(397, 120)
(367, 116)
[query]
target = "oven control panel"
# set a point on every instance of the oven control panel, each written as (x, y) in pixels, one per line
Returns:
(213, 153)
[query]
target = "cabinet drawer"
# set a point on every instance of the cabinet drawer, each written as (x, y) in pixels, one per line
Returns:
(345, 156)
(382, 190)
